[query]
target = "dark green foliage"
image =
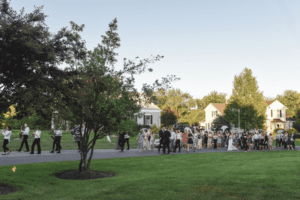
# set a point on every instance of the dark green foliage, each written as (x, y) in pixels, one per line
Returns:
(296, 124)
(219, 122)
(168, 117)
(213, 97)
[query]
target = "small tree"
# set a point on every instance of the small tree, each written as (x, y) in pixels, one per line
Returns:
(292, 130)
(154, 128)
(168, 117)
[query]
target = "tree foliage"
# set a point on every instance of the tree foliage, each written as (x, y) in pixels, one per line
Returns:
(291, 100)
(168, 117)
(30, 55)
(213, 97)
(296, 124)
(103, 96)
(246, 97)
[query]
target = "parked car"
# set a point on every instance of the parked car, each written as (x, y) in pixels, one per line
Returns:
(181, 127)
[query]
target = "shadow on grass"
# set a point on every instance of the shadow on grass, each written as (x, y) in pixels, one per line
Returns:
(72, 174)
(7, 189)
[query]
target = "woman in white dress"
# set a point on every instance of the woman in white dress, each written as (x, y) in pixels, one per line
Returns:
(152, 140)
(231, 147)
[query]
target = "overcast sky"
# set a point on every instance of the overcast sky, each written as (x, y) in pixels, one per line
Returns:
(204, 42)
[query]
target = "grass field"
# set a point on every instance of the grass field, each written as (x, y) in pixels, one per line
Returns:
(67, 142)
(235, 175)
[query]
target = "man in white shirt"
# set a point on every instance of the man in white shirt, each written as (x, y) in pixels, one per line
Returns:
(172, 138)
(7, 134)
(177, 141)
(256, 141)
(25, 134)
(37, 140)
(281, 140)
(58, 135)
(126, 140)
(277, 139)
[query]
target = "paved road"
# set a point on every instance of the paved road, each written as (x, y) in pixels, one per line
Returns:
(15, 158)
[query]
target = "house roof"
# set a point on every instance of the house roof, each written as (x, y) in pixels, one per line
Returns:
(277, 120)
(219, 106)
(269, 102)
(289, 118)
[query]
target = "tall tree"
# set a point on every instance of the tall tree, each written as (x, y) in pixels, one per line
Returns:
(291, 100)
(296, 124)
(30, 55)
(246, 97)
(168, 117)
(214, 97)
(194, 116)
(175, 100)
(103, 96)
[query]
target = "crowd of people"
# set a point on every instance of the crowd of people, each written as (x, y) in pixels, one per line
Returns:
(198, 139)
(168, 139)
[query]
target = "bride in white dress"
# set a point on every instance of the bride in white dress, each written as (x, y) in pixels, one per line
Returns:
(230, 146)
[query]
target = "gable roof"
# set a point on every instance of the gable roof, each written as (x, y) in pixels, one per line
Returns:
(269, 102)
(219, 106)
(203, 120)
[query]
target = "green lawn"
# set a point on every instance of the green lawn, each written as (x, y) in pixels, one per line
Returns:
(67, 142)
(236, 175)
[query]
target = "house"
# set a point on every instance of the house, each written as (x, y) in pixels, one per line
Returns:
(151, 115)
(276, 116)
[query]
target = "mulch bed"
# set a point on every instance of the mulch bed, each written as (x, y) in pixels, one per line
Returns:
(85, 175)
(6, 190)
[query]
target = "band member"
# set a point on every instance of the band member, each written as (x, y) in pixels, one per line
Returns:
(58, 135)
(7, 134)
(126, 140)
(25, 137)
(37, 140)
(121, 140)
(161, 138)
(167, 136)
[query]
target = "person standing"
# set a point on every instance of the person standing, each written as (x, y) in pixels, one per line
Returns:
(126, 140)
(121, 140)
(249, 140)
(152, 140)
(256, 141)
(219, 140)
(37, 140)
(289, 142)
(200, 137)
(76, 136)
(167, 136)
(215, 137)
(7, 134)
(236, 139)
(190, 141)
(240, 140)
(209, 140)
(172, 139)
(25, 137)
(161, 138)
(277, 138)
(281, 141)
(284, 140)
(231, 147)
(177, 141)
(262, 141)
(293, 138)
(195, 141)
(145, 140)
(141, 137)
(244, 141)
(227, 138)
(266, 140)
(270, 139)
(57, 139)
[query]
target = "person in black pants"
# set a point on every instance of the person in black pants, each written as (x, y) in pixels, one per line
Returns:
(25, 137)
(36, 141)
(244, 140)
(256, 141)
(58, 135)
(177, 141)
(215, 140)
(126, 140)
(205, 138)
(161, 138)
(293, 141)
(167, 136)
(121, 140)
(266, 141)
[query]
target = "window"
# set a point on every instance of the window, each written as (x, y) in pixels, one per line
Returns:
(280, 113)
(148, 119)
(271, 113)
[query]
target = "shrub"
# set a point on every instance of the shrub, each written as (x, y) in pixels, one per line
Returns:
(277, 129)
(154, 128)
(33, 121)
(292, 130)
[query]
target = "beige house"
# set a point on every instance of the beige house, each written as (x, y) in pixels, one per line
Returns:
(275, 113)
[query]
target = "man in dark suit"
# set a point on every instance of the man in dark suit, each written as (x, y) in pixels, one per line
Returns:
(167, 136)
(244, 141)
(161, 137)
(121, 140)
(294, 138)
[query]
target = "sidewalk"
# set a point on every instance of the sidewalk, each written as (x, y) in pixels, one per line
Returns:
(17, 158)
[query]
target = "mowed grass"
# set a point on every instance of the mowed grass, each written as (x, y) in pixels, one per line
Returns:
(67, 142)
(235, 175)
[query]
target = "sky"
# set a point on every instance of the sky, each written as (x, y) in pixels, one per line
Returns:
(204, 42)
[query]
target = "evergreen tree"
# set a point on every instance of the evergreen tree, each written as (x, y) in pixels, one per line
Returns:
(246, 97)
(168, 117)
